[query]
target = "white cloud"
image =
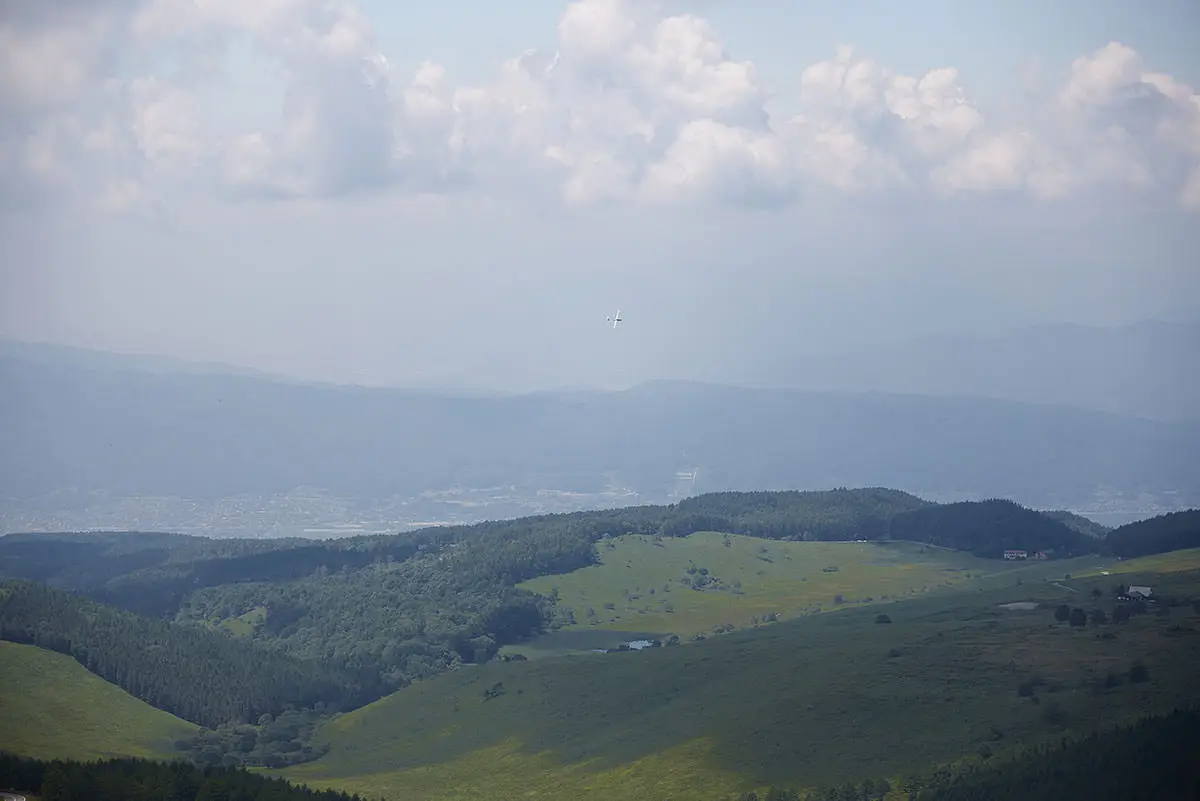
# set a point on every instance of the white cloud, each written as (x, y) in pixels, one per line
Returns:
(635, 104)
(1121, 124)
(864, 127)
(711, 160)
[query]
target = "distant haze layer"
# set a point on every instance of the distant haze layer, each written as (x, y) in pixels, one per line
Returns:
(135, 433)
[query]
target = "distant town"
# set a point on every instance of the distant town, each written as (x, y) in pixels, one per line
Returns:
(318, 514)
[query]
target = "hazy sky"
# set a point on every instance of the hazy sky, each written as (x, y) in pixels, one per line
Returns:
(461, 192)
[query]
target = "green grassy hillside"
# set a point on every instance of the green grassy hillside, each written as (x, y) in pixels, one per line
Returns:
(53, 708)
(1171, 562)
(648, 581)
(822, 698)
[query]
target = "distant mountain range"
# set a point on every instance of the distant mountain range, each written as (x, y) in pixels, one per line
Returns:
(1144, 370)
(128, 431)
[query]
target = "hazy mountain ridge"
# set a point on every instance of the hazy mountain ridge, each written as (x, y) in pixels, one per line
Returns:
(1139, 369)
(141, 434)
(50, 353)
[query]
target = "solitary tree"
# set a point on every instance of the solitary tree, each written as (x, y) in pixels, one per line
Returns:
(1062, 613)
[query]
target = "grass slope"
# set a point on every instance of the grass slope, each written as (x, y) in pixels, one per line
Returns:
(819, 699)
(53, 708)
(1171, 562)
(646, 580)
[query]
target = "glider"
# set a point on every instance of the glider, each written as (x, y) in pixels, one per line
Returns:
(616, 319)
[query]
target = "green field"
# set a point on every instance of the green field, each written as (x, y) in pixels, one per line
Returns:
(242, 625)
(51, 707)
(1172, 562)
(647, 583)
(822, 698)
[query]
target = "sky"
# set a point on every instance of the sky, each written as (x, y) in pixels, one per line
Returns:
(460, 193)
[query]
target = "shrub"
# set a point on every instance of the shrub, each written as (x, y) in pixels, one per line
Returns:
(1054, 714)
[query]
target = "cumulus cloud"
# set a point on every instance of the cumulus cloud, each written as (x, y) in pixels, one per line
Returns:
(638, 102)
(864, 127)
(1127, 125)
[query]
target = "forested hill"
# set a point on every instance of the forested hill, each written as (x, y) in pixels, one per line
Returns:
(409, 606)
(1079, 523)
(198, 675)
(152, 573)
(87, 562)
(146, 780)
(841, 514)
(1169, 532)
(1152, 759)
(456, 568)
(988, 528)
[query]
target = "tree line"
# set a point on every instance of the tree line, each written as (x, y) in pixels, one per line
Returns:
(1148, 760)
(990, 527)
(147, 780)
(1169, 532)
(199, 675)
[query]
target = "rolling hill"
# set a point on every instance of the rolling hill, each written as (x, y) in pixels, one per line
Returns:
(403, 607)
(819, 700)
(200, 675)
(1169, 532)
(911, 634)
(709, 581)
(52, 707)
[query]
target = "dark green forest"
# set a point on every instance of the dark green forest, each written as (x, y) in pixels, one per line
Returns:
(1169, 532)
(146, 780)
(196, 674)
(1079, 523)
(273, 741)
(988, 528)
(840, 514)
(1154, 759)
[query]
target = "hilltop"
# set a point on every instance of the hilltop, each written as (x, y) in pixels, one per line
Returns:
(1169, 532)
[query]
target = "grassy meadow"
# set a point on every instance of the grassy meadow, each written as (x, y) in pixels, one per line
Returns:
(821, 698)
(243, 625)
(51, 707)
(643, 584)
(1171, 562)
